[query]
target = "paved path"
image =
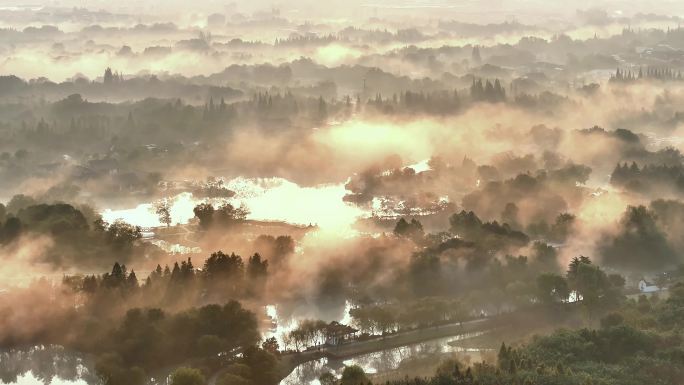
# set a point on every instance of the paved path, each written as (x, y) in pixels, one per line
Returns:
(290, 361)
(406, 338)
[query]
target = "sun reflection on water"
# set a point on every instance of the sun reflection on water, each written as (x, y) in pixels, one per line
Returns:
(270, 199)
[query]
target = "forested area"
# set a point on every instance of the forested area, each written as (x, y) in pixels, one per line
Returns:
(341, 193)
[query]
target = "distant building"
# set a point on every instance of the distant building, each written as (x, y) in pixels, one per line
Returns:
(647, 287)
(339, 333)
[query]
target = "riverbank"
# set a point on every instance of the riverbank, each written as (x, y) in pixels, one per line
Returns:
(469, 329)
(409, 337)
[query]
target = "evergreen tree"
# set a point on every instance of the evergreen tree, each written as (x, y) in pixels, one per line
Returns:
(322, 109)
(256, 268)
(132, 280)
(475, 56)
(108, 76)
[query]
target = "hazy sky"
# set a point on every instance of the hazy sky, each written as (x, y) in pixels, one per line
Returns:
(433, 8)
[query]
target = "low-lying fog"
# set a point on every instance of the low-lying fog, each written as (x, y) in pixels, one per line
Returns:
(267, 199)
(299, 192)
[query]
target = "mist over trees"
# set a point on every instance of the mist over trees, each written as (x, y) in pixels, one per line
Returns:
(254, 193)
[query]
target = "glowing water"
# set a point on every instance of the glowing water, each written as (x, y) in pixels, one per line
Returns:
(280, 199)
(29, 378)
(282, 327)
(273, 199)
(382, 362)
(421, 166)
(143, 215)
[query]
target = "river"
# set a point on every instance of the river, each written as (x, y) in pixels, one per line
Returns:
(55, 366)
(273, 199)
(418, 359)
(45, 365)
(269, 199)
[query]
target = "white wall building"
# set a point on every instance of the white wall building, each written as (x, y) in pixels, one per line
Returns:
(647, 287)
